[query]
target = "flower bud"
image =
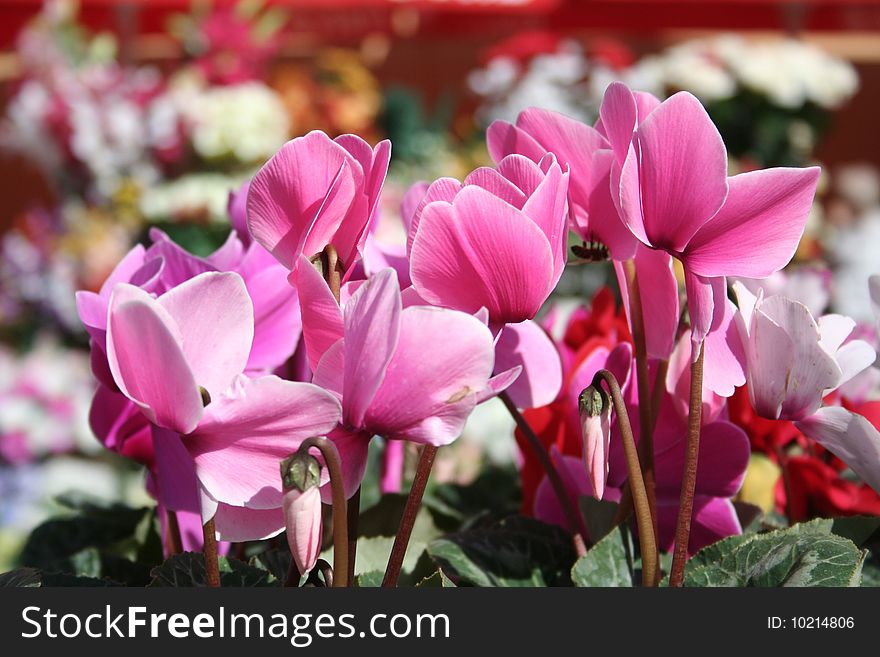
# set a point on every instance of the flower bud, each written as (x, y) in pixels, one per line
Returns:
(595, 416)
(301, 504)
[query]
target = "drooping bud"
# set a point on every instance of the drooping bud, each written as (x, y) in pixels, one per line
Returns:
(595, 415)
(301, 504)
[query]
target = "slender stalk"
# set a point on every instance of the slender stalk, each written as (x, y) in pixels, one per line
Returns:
(340, 512)
(572, 516)
(331, 271)
(173, 542)
(644, 516)
(354, 514)
(689, 476)
(413, 502)
(212, 561)
(646, 421)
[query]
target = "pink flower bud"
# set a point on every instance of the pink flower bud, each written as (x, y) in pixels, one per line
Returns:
(302, 515)
(595, 415)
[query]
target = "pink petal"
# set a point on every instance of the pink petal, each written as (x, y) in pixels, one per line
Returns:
(322, 323)
(215, 317)
(705, 298)
(547, 207)
(480, 251)
(850, 437)
(302, 516)
(237, 210)
(714, 518)
(428, 393)
(175, 474)
(682, 172)
(239, 524)
(758, 229)
(410, 203)
(277, 324)
(301, 196)
(372, 323)
(724, 356)
(495, 183)
(619, 116)
(498, 384)
(246, 432)
(148, 363)
(503, 139)
(442, 189)
(353, 448)
(527, 345)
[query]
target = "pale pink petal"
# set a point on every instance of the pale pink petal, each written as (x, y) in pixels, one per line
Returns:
(239, 524)
(724, 356)
(527, 345)
(705, 298)
(372, 323)
(478, 252)
(215, 317)
(247, 431)
(321, 317)
(329, 373)
(148, 363)
(427, 394)
(410, 203)
(811, 370)
(229, 255)
(682, 171)
(277, 324)
(302, 517)
(759, 227)
(850, 437)
(853, 358)
(498, 384)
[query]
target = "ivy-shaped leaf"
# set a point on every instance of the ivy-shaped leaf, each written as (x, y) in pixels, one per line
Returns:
(610, 562)
(188, 570)
(516, 551)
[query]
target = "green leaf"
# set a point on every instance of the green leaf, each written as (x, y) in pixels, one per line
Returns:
(369, 579)
(188, 570)
(21, 578)
(494, 494)
(598, 515)
(516, 551)
(610, 562)
(806, 554)
(276, 562)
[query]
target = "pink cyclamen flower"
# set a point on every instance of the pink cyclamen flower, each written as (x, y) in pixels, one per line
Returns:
(406, 373)
(496, 241)
(587, 153)
(180, 359)
(794, 362)
(670, 185)
(302, 516)
(595, 410)
(317, 191)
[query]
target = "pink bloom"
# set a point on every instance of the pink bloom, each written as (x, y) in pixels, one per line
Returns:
(403, 372)
(317, 191)
(496, 241)
(595, 409)
(586, 151)
(794, 362)
(669, 182)
(302, 516)
(172, 354)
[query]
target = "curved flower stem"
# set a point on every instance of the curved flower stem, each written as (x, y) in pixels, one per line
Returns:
(212, 561)
(644, 516)
(340, 522)
(572, 516)
(646, 419)
(689, 476)
(330, 269)
(173, 542)
(413, 502)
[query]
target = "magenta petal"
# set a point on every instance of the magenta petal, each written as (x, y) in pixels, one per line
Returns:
(239, 524)
(321, 316)
(682, 171)
(277, 324)
(246, 432)
(236, 207)
(372, 323)
(759, 227)
(658, 291)
(353, 448)
(714, 519)
(176, 484)
(547, 207)
(619, 117)
(410, 202)
(493, 181)
(427, 394)
(527, 345)
(215, 317)
(301, 196)
(148, 363)
(850, 437)
(503, 139)
(480, 251)
(442, 189)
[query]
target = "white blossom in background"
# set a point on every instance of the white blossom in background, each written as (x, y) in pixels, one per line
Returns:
(195, 195)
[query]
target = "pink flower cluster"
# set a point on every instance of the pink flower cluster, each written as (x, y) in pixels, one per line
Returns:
(214, 369)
